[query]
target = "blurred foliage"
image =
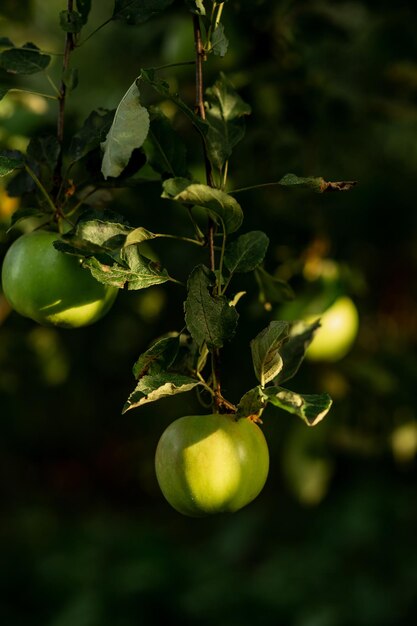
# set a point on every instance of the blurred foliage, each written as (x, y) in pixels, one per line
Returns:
(86, 538)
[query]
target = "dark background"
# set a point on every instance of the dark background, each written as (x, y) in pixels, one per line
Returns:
(86, 537)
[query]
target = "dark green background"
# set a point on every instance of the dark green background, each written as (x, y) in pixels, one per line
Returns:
(86, 537)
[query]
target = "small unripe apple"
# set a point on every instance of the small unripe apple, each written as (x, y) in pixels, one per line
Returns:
(339, 327)
(208, 464)
(51, 287)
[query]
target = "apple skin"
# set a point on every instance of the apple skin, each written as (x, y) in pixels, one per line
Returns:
(339, 327)
(207, 464)
(51, 287)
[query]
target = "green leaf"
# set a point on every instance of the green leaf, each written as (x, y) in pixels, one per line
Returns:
(293, 351)
(272, 290)
(267, 361)
(82, 248)
(190, 359)
(225, 111)
(93, 132)
(109, 235)
(83, 8)
(25, 60)
(5, 42)
(162, 88)
(139, 273)
(196, 6)
(71, 21)
(252, 404)
(164, 150)
(210, 319)
(9, 163)
(144, 271)
(26, 213)
(311, 408)
(155, 386)
(70, 78)
(138, 235)
(42, 157)
(128, 131)
(247, 252)
(219, 204)
(45, 151)
(3, 91)
(316, 184)
(137, 11)
(219, 41)
(172, 187)
(22, 184)
(96, 233)
(159, 357)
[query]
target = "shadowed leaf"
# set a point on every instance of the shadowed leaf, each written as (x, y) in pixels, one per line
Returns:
(247, 252)
(272, 290)
(293, 350)
(93, 132)
(210, 319)
(9, 163)
(159, 357)
(252, 404)
(162, 88)
(219, 204)
(267, 361)
(3, 91)
(138, 11)
(71, 21)
(26, 213)
(84, 8)
(45, 151)
(5, 42)
(219, 41)
(25, 60)
(318, 184)
(128, 132)
(225, 111)
(70, 78)
(164, 149)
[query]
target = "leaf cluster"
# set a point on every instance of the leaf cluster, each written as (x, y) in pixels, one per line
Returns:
(137, 143)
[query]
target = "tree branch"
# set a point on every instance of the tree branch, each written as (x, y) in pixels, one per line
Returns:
(69, 47)
(200, 110)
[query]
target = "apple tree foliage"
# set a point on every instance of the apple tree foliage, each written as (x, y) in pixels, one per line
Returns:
(123, 148)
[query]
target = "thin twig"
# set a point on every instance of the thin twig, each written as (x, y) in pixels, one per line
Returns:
(199, 88)
(41, 188)
(169, 65)
(200, 110)
(34, 93)
(81, 43)
(69, 47)
(196, 242)
(260, 186)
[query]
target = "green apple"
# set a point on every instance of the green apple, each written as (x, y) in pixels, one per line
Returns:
(339, 327)
(208, 464)
(51, 287)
